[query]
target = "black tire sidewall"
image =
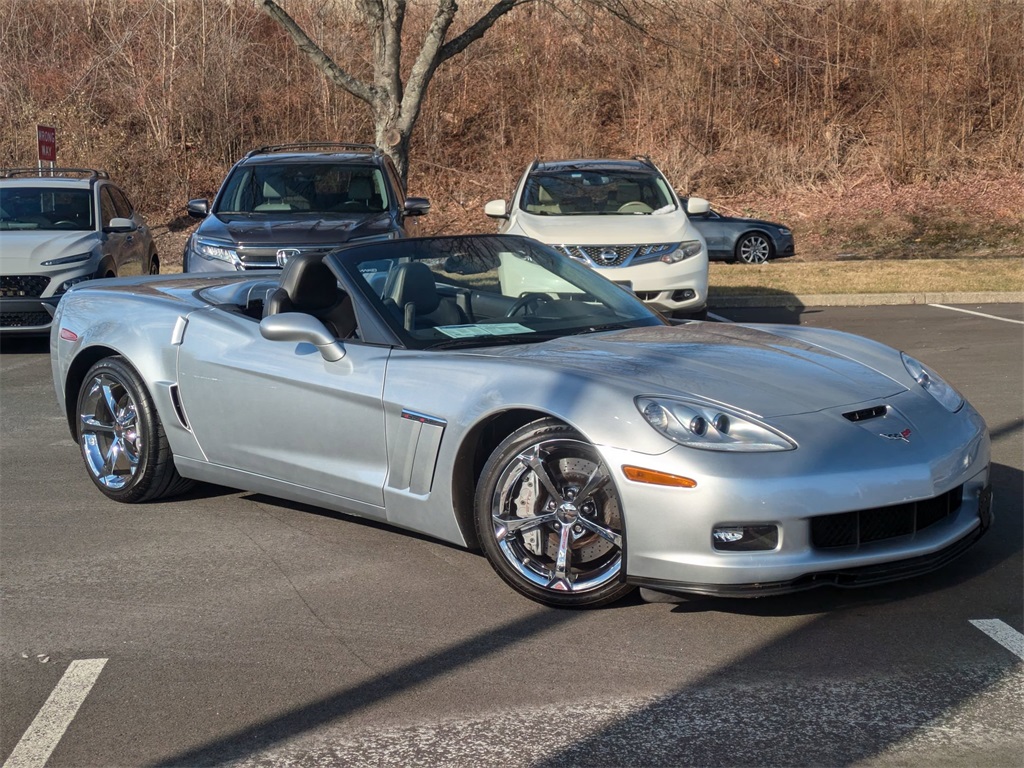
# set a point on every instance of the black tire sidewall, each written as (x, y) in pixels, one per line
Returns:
(543, 429)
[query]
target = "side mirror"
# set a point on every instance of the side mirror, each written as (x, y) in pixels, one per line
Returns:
(697, 206)
(417, 206)
(120, 226)
(496, 209)
(299, 327)
(198, 208)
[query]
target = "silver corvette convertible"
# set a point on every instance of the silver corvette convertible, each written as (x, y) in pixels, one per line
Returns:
(490, 392)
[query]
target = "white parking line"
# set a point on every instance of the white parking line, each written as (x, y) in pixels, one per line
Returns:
(45, 732)
(1002, 633)
(979, 314)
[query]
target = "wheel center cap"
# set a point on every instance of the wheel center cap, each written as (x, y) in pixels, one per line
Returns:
(567, 513)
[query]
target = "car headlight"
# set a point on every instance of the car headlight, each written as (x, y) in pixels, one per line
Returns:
(784, 231)
(66, 285)
(933, 384)
(709, 427)
(684, 251)
(78, 257)
(212, 250)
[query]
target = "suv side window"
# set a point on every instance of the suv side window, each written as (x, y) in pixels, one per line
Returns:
(396, 183)
(107, 206)
(121, 203)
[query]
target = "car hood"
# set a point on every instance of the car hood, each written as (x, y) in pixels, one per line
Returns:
(612, 229)
(748, 368)
(26, 250)
(722, 218)
(308, 229)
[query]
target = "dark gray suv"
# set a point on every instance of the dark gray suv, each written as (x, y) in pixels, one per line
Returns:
(280, 201)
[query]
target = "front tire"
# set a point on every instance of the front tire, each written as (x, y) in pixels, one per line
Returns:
(754, 248)
(122, 440)
(549, 518)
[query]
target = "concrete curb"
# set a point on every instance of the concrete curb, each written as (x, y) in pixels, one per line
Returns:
(863, 299)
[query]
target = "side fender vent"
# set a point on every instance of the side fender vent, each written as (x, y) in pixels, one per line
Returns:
(867, 413)
(179, 410)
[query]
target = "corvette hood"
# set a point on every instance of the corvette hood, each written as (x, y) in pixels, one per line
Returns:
(262, 229)
(748, 368)
(613, 229)
(22, 252)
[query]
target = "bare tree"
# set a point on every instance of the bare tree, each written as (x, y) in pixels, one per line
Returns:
(394, 104)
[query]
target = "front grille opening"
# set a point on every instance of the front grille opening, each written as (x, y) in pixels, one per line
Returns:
(852, 529)
(23, 286)
(24, 319)
(867, 413)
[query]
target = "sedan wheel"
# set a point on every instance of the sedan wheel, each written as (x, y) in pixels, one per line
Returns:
(549, 518)
(121, 437)
(754, 249)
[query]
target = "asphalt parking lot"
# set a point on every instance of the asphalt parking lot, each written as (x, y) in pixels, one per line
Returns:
(230, 628)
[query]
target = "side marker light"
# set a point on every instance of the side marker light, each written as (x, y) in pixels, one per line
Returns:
(654, 477)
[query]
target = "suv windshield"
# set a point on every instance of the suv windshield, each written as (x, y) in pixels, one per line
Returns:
(46, 208)
(484, 291)
(595, 193)
(304, 188)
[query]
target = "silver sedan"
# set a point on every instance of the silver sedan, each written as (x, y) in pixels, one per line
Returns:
(489, 392)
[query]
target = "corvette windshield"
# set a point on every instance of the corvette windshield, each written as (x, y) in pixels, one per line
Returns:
(485, 291)
(595, 193)
(46, 208)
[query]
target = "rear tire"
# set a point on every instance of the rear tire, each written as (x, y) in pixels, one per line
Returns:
(549, 518)
(121, 438)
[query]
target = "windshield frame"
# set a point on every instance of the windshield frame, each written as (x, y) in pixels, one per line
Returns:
(596, 191)
(308, 188)
(71, 214)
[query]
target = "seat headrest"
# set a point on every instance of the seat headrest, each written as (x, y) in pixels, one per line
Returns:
(360, 188)
(413, 283)
(269, 191)
(309, 283)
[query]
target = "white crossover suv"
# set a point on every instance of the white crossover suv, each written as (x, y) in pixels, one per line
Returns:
(619, 217)
(60, 227)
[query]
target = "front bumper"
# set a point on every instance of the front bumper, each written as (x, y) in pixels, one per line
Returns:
(831, 476)
(682, 286)
(27, 316)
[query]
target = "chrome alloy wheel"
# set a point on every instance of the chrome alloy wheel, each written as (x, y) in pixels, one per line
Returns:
(556, 517)
(109, 431)
(755, 249)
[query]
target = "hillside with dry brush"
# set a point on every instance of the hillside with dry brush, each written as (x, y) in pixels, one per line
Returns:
(876, 129)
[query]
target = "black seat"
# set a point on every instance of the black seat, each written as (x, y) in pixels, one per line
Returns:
(309, 286)
(413, 293)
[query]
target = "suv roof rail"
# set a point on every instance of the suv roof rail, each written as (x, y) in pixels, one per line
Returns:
(323, 144)
(47, 173)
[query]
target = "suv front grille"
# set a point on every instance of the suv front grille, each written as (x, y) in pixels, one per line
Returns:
(20, 286)
(265, 256)
(24, 319)
(616, 255)
(851, 529)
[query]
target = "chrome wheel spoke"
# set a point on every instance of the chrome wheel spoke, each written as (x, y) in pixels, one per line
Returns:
(110, 400)
(110, 460)
(92, 424)
(503, 526)
(605, 533)
(597, 480)
(533, 460)
(563, 563)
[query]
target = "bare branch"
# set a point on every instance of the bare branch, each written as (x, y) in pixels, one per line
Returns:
(337, 75)
(476, 31)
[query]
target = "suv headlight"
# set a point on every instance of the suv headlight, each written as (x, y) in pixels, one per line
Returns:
(933, 384)
(214, 250)
(684, 251)
(709, 427)
(78, 257)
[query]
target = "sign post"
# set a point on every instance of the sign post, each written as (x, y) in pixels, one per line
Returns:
(46, 137)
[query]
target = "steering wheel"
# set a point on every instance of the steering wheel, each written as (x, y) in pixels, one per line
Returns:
(530, 300)
(635, 206)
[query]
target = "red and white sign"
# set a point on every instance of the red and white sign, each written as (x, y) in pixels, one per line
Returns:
(47, 137)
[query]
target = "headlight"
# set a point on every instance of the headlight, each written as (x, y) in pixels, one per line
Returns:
(784, 231)
(212, 250)
(933, 384)
(78, 257)
(709, 427)
(684, 251)
(66, 285)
